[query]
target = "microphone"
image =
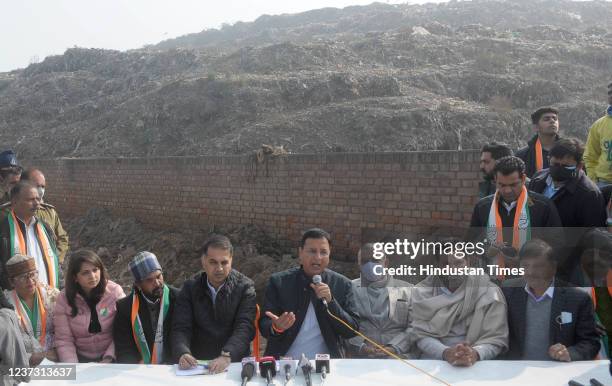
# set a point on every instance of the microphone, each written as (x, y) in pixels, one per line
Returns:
(267, 368)
(306, 369)
(316, 279)
(248, 369)
(288, 367)
(322, 364)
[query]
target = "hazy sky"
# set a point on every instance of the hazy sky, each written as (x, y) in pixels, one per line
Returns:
(33, 29)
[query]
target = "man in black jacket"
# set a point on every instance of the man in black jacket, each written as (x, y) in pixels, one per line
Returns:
(495, 217)
(535, 155)
(489, 154)
(214, 312)
(296, 318)
(547, 318)
(141, 329)
(22, 232)
(578, 200)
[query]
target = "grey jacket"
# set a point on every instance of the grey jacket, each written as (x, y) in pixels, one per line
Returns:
(12, 351)
(393, 330)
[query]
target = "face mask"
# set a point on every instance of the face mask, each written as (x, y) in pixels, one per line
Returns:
(41, 192)
(562, 173)
(367, 271)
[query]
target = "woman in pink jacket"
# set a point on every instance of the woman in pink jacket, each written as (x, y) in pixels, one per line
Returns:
(85, 311)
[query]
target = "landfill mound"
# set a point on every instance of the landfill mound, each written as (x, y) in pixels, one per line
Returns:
(117, 240)
(375, 78)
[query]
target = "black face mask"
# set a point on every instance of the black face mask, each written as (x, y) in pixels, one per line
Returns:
(561, 173)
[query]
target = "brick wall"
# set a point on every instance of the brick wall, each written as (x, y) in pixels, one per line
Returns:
(358, 197)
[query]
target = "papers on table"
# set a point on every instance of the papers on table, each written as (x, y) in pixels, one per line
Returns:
(198, 370)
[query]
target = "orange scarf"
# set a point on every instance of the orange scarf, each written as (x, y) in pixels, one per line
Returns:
(539, 156)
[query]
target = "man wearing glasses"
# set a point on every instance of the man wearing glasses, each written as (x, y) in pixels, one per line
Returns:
(535, 155)
(34, 304)
(579, 202)
(598, 153)
(547, 318)
(295, 319)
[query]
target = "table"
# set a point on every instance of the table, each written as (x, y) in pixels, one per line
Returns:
(357, 372)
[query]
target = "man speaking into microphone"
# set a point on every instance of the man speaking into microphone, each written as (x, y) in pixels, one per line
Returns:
(295, 319)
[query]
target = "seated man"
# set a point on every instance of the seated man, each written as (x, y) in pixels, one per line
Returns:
(12, 350)
(34, 304)
(214, 312)
(459, 318)
(296, 319)
(141, 329)
(547, 319)
(383, 304)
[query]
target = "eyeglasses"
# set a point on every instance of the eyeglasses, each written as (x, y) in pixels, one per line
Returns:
(24, 277)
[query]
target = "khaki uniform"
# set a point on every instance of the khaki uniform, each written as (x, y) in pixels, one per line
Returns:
(48, 214)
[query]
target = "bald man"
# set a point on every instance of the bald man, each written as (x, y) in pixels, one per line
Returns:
(46, 212)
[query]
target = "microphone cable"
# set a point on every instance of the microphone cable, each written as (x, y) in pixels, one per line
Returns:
(395, 356)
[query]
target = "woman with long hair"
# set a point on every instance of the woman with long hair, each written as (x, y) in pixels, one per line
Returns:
(85, 311)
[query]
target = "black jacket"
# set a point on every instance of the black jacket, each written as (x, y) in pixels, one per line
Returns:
(290, 291)
(579, 336)
(5, 250)
(545, 221)
(486, 188)
(204, 330)
(527, 154)
(579, 202)
(125, 345)
(581, 207)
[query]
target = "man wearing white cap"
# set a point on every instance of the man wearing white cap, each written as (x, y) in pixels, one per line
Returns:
(34, 303)
(141, 329)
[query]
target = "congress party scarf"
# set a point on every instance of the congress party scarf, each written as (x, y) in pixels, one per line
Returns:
(521, 229)
(18, 245)
(139, 337)
(37, 324)
(538, 155)
(605, 339)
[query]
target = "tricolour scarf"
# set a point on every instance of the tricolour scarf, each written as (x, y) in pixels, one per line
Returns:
(18, 245)
(521, 228)
(156, 356)
(38, 326)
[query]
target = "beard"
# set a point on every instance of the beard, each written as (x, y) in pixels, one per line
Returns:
(154, 294)
(486, 176)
